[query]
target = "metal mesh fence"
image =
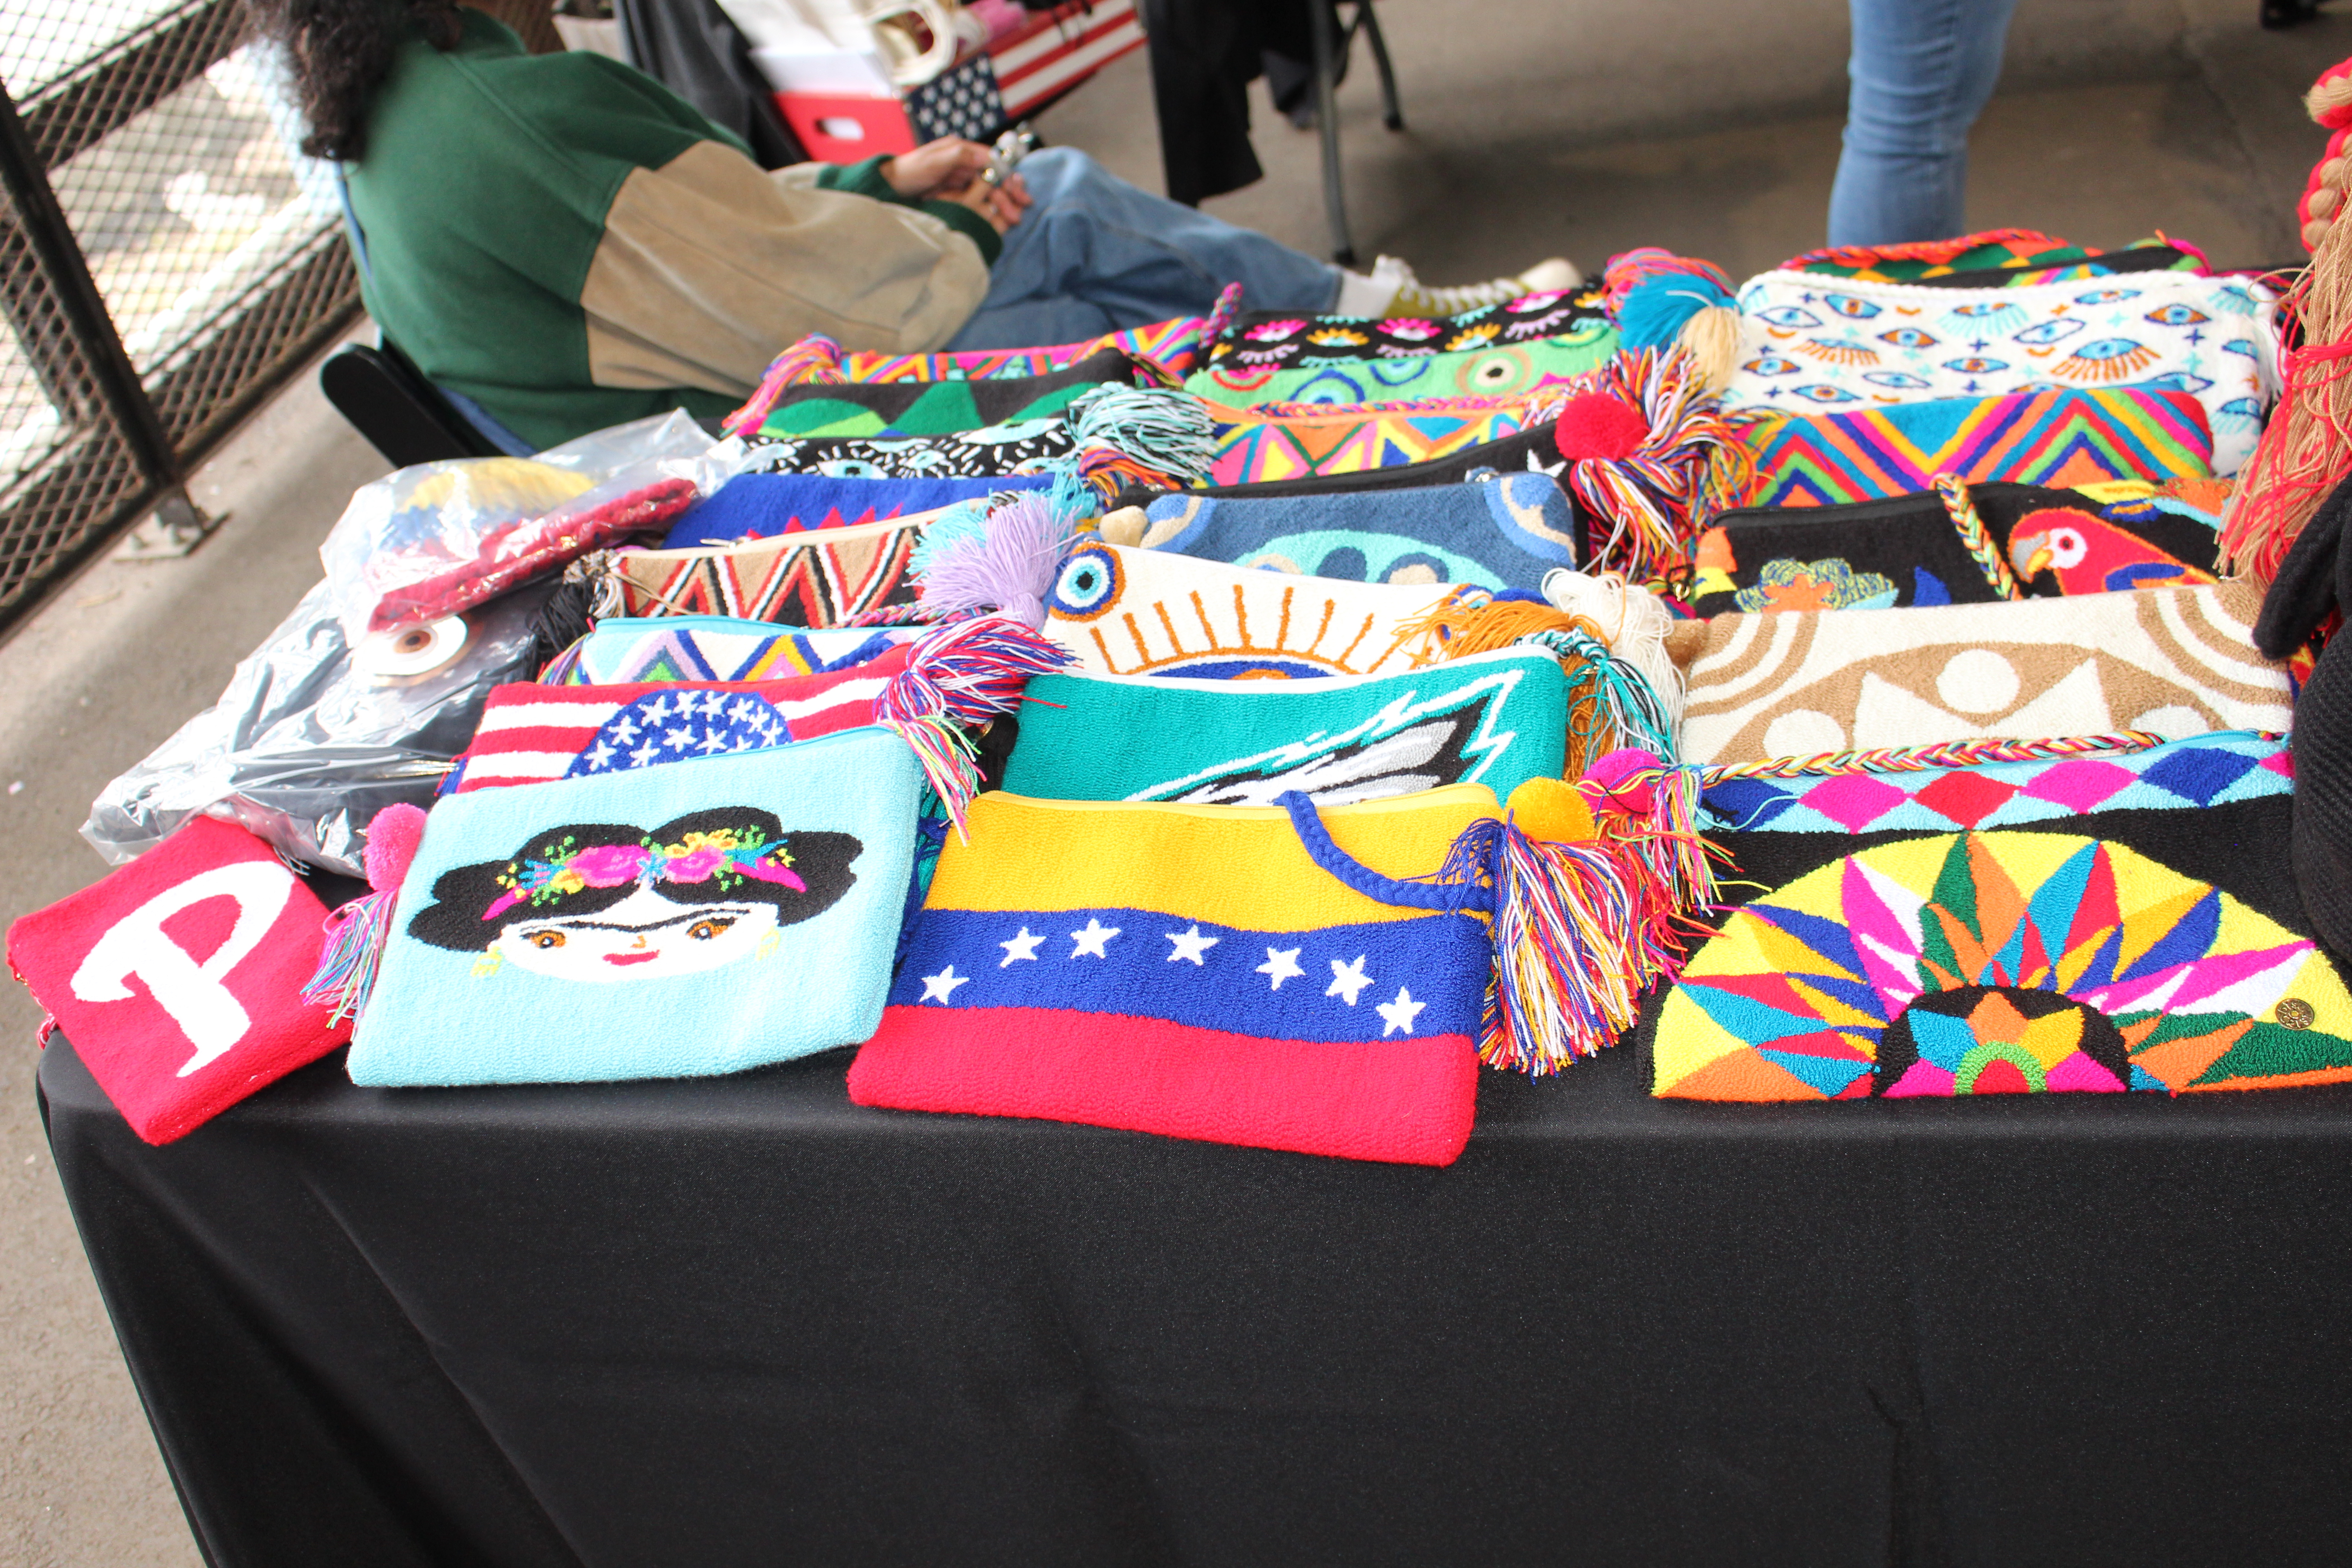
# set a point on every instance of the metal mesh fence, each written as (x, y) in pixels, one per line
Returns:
(167, 259)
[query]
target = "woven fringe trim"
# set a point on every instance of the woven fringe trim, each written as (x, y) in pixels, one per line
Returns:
(1612, 704)
(1948, 754)
(1953, 492)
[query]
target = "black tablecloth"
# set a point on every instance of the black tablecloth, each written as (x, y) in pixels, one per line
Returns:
(745, 1321)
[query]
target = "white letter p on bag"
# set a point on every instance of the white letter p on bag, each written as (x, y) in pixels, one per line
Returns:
(194, 994)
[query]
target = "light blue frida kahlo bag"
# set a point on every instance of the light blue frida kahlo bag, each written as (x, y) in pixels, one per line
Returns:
(700, 918)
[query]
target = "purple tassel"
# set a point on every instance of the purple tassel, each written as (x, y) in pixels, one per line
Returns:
(1008, 565)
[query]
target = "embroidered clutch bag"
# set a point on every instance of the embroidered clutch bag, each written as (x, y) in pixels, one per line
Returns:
(943, 407)
(1264, 341)
(1814, 344)
(2137, 930)
(2174, 662)
(766, 506)
(1192, 972)
(667, 922)
(714, 649)
(824, 579)
(2061, 440)
(1960, 544)
(179, 976)
(1506, 531)
(1484, 365)
(1494, 719)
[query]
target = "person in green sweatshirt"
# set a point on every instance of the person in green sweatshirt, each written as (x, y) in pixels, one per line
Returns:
(569, 245)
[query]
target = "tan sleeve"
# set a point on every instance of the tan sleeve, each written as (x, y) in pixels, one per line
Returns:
(711, 266)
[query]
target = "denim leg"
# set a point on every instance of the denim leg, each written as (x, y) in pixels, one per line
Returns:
(1094, 255)
(1922, 71)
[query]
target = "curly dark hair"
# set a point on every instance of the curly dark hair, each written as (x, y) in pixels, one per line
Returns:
(456, 918)
(340, 52)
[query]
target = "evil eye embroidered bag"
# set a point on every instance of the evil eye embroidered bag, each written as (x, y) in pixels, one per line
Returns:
(1958, 544)
(669, 921)
(2057, 439)
(2174, 662)
(179, 976)
(2113, 921)
(1817, 344)
(1495, 719)
(1506, 531)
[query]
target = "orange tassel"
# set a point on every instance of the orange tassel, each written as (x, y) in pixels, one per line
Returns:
(1472, 621)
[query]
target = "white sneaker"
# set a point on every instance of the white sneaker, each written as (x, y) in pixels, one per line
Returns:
(1414, 297)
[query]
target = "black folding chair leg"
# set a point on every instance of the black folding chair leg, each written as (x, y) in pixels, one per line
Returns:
(1368, 22)
(1327, 120)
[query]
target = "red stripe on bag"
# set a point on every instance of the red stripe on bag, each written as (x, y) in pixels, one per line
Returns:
(1404, 1100)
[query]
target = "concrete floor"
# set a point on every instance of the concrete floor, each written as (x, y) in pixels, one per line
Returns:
(1495, 170)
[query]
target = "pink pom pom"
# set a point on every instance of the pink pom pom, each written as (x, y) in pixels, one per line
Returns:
(393, 836)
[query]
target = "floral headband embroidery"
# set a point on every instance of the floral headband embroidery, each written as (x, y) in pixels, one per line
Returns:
(725, 857)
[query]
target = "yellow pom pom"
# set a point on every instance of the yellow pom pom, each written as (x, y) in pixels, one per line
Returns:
(1552, 810)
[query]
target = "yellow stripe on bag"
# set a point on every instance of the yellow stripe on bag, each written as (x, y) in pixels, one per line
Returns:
(1236, 865)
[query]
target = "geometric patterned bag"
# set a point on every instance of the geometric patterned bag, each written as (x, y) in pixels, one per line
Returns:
(2156, 948)
(822, 578)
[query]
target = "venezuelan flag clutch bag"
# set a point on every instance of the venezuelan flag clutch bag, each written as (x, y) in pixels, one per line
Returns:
(699, 918)
(1192, 970)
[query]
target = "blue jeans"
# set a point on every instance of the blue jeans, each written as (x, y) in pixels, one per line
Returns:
(1922, 71)
(1094, 255)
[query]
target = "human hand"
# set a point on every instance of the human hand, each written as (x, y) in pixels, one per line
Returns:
(1002, 206)
(940, 168)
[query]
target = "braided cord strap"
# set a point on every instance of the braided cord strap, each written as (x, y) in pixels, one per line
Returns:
(1954, 493)
(1920, 758)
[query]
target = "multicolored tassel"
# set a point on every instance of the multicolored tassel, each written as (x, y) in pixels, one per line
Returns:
(1129, 436)
(1473, 620)
(814, 361)
(1953, 490)
(1662, 300)
(356, 933)
(1629, 710)
(1655, 499)
(963, 674)
(1564, 983)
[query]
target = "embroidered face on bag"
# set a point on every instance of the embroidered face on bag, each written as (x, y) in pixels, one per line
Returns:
(602, 902)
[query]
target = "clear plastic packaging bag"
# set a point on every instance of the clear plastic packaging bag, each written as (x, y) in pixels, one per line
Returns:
(314, 736)
(426, 543)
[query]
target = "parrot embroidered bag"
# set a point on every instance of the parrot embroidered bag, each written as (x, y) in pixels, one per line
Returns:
(1960, 544)
(179, 976)
(700, 918)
